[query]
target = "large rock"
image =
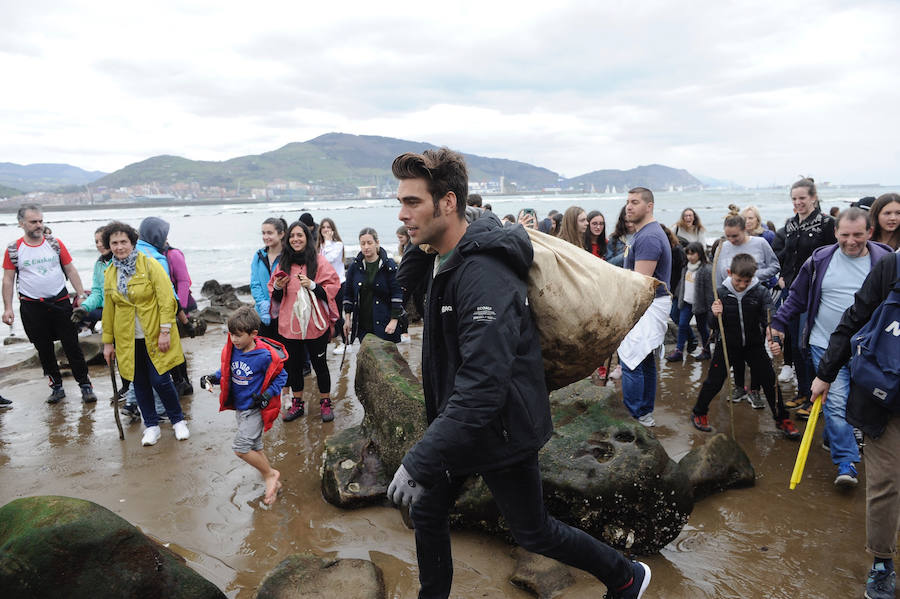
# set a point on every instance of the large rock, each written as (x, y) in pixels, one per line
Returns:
(63, 547)
(717, 465)
(353, 474)
(602, 472)
(392, 397)
(608, 475)
(306, 576)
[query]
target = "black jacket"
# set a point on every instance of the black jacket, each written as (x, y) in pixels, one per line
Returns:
(862, 411)
(485, 396)
(801, 238)
(744, 320)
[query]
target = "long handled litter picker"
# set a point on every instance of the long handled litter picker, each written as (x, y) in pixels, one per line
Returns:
(722, 338)
(808, 434)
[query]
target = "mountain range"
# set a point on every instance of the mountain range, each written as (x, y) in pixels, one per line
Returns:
(341, 162)
(43, 177)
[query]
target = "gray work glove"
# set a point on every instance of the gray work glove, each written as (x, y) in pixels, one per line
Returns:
(403, 490)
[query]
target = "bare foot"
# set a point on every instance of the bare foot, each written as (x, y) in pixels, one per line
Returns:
(273, 486)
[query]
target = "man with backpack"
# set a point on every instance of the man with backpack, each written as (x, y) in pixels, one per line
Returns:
(40, 264)
(868, 336)
(823, 290)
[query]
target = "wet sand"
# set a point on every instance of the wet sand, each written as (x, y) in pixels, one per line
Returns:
(196, 496)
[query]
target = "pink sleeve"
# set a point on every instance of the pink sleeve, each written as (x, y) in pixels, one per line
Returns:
(64, 257)
(179, 272)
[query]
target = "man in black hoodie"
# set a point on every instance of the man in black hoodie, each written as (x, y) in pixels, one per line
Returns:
(485, 396)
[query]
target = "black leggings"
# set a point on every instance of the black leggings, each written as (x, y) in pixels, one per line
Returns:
(316, 349)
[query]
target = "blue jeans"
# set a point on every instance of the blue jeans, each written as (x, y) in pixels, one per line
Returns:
(676, 315)
(639, 386)
(685, 333)
(837, 430)
(146, 380)
(517, 490)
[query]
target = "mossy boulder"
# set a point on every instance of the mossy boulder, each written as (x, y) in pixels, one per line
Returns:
(608, 475)
(717, 465)
(54, 547)
(353, 474)
(392, 398)
(307, 576)
(602, 472)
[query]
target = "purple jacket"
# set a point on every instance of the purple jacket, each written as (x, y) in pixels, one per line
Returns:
(178, 272)
(807, 297)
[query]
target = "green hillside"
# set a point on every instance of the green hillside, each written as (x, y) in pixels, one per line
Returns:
(8, 192)
(335, 160)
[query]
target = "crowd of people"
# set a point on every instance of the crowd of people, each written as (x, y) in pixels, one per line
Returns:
(756, 294)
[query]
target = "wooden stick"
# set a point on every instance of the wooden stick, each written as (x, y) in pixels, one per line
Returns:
(112, 377)
(728, 374)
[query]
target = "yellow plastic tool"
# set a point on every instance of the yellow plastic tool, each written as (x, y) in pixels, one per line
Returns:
(806, 442)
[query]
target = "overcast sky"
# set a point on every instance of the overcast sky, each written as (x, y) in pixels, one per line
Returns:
(755, 92)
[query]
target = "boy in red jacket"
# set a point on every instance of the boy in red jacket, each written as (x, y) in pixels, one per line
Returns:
(253, 390)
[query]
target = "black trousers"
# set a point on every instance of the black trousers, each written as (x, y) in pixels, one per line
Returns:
(760, 370)
(47, 320)
(297, 350)
(519, 495)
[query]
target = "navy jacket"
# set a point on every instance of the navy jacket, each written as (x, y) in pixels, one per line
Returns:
(483, 375)
(387, 296)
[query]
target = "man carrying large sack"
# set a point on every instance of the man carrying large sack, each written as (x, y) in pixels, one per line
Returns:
(649, 254)
(485, 394)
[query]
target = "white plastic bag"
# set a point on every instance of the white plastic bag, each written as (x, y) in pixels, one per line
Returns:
(583, 306)
(306, 307)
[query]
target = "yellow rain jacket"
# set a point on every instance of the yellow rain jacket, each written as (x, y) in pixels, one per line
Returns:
(151, 297)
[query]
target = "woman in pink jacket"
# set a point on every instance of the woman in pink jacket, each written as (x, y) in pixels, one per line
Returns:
(304, 271)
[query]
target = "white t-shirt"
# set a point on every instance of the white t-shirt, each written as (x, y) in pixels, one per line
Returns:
(334, 253)
(40, 268)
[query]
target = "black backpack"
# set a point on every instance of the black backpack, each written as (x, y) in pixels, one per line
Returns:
(875, 351)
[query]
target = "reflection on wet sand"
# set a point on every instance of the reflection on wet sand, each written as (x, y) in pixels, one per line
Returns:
(764, 541)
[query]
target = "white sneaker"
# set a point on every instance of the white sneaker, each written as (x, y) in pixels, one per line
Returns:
(181, 430)
(151, 436)
(787, 374)
(340, 349)
(647, 420)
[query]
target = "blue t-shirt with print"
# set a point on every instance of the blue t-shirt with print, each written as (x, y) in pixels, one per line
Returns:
(248, 371)
(651, 243)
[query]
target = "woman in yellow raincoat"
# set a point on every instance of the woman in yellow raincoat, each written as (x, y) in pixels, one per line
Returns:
(138, 319)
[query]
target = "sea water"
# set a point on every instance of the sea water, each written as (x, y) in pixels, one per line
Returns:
(219, 241)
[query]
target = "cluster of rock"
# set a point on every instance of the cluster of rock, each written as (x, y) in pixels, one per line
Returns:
(223, 300)
(601, 470)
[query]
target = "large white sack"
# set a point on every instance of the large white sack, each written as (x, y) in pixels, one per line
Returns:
(582, 305)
